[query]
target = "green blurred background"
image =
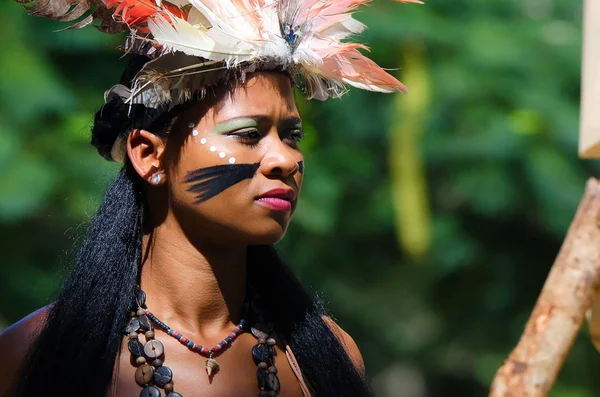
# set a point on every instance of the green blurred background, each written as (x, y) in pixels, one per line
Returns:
(429, 221)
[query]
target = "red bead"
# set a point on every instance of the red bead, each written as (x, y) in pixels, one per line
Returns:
(148, 312)
(232, 335)
(237, 329)
(176, 334)
(205, 350)
(217, 348)
(184, 340)
(195, 347)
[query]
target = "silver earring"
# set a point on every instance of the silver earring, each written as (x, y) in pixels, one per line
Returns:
(156, 179)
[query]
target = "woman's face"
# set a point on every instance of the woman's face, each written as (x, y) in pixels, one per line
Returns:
(235, 175)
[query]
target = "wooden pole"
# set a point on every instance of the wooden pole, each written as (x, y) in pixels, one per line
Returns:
(589, 124)
(569, 291)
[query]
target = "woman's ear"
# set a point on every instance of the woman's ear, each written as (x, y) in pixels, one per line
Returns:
(145, 151)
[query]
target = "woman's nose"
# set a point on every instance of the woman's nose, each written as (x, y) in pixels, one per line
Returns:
(279, 161)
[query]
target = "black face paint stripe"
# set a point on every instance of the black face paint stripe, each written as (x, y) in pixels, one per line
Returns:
(210, 181)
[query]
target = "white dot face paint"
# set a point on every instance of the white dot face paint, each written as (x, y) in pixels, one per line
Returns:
(225, 128)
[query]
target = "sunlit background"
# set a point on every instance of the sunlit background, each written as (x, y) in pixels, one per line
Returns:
(429, 220)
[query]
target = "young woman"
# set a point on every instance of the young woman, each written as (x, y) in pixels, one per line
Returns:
(177, 289)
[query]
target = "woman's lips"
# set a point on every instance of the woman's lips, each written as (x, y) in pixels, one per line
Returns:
(276, 203)
(278, 199)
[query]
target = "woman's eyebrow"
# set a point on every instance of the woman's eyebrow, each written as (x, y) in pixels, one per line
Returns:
(256, 117)
(292, 121)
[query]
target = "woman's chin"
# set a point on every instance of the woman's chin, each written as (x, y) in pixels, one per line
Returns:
(269, 234)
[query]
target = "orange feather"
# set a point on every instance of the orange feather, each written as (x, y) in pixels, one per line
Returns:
(137, 13)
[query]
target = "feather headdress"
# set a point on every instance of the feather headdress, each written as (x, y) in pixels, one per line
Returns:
(193, 43)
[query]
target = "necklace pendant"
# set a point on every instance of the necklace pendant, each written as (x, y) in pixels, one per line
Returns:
(211, 366)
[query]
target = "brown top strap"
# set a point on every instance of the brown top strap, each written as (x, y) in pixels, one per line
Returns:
(296, 368)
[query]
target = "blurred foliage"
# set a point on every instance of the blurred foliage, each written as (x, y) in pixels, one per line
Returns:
(429, 221)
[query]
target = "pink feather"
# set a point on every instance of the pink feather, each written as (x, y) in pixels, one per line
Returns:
(318, 9)
(346, 64)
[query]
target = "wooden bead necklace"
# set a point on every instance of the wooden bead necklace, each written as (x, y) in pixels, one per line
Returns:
(156, 375)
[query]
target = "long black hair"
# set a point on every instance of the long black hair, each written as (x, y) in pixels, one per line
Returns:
(74, 354)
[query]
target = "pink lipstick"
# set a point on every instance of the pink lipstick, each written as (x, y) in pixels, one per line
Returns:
(277, 199)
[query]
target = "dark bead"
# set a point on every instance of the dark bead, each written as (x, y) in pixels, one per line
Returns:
(174, 394)
(272, 370)
(261, 377)
(272, 382)
(133, 326)
(143, 375)
(262, 340)
(153, 349)
(271, 342)
(145, 323)
(157, 363)
(262, 353)
(266, 328)
(267, 393)
(150, 391)
(162, 376)
(169, 387)
(263, 366)
(135, 347)
(140, 298)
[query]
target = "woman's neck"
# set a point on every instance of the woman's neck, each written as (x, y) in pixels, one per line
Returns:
(193, 289)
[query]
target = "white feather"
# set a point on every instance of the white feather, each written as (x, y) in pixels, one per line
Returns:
(179, 3)
(369, 87)
(342, 29)
(306, 57)
(227, 18)
(180, 35)
(254, 28)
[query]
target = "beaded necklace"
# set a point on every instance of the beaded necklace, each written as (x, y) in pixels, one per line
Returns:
(155, 375)
(211, 363)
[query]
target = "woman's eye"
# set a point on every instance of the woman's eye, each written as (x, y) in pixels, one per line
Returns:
(247, 134)
(296, 135)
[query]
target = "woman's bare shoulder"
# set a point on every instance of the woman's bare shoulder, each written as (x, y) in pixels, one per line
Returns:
(349, 344)
(14, 343)
(24, 329)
